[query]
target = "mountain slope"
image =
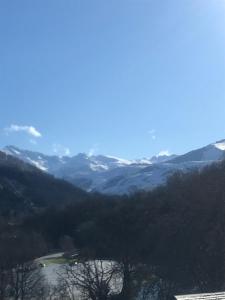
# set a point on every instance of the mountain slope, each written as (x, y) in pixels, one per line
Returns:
(25, 189)
(157, 174)
(111, 175)
(212, 152)
(87, 172)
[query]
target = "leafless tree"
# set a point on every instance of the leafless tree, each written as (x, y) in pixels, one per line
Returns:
(27, 282)
(95, 280)
(4, 282)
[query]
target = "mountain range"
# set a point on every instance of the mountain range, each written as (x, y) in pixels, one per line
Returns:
(112, 175)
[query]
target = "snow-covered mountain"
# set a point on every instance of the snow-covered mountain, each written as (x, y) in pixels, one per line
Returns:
(112, 175)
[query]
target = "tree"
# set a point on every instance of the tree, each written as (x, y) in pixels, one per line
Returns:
(26, 282)
(95, 280)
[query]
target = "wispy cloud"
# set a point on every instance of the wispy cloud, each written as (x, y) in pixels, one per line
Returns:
(61, 150)
(164, 153)
(152, 133)
(30, 130)
(93, 150)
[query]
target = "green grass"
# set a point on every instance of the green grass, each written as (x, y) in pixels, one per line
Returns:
(58, 260)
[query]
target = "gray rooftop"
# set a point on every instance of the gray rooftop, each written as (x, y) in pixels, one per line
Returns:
(211, 296)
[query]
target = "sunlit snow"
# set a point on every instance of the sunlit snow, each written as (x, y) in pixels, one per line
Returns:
(220, 146)
(37, 164)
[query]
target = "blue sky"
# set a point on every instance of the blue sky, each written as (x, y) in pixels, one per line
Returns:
(128, 78)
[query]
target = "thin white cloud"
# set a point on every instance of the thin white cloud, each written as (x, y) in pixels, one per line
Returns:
(60, 150)
(93, 150)
(152, 133)
(30, 130)
(164, 153)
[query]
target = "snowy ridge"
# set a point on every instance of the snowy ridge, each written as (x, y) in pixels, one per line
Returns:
(220, 145)
(113, 175)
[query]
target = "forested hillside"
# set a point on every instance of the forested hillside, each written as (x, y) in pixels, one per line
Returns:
(176, 233)
(25, 189)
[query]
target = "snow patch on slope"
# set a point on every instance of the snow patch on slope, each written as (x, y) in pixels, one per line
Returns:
(120, 160)
(38, 164)
(220, 146)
